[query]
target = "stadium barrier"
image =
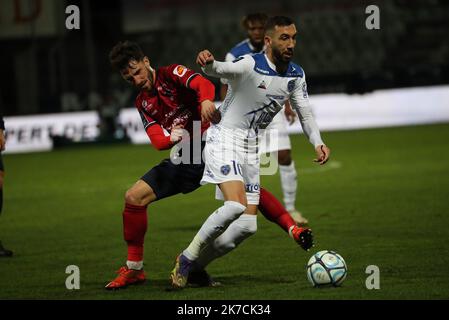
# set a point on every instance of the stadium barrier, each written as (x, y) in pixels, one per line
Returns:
(383, 108)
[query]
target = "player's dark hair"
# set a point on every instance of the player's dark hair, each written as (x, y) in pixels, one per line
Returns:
(123, 52)
(280, 21)
(254, 17)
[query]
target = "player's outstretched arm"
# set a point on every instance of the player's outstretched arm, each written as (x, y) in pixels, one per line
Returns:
(300, 102)
(227, 70)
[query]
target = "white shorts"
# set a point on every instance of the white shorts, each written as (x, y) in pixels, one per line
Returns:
(275, 137)
(225, 161)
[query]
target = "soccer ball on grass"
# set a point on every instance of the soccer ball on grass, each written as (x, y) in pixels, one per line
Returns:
(326, 268)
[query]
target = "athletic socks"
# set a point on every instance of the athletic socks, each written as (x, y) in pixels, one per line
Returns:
(215, 225)
(289, 185)
(236, 233)
(274, 211)
(134, 229)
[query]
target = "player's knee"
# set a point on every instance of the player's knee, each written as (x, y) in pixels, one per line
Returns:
(134, 198)
(234, 209)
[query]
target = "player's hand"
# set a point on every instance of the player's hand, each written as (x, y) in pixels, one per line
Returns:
(209, 113)
(176, 134)
(204, 57)
(2, 140)
(322, 152)
(290, 115)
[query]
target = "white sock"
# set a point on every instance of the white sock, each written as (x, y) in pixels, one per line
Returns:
(215, 225)
(135, 265)
(242, 228)
(289, 185)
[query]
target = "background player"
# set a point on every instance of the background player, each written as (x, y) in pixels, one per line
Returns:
(3, 252)
(234, 167)
(171, 98)
(254, 24)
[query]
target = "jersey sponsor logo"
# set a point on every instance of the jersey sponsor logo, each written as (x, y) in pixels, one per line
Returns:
(291, 85)
(225, 169)
(262, 70)
(252, 187)
(180, 71)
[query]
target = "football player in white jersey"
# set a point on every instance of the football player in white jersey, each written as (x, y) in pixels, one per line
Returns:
(231, 152)
(276, 139)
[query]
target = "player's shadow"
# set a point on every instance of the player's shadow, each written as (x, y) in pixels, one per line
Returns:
(230, 281)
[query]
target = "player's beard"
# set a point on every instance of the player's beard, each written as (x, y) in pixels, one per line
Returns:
(280, 58)
(150, 79)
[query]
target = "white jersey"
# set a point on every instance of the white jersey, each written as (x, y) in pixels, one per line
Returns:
(257, 92)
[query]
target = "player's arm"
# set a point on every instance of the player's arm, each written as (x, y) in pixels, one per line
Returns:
(223, 82)
(205, 91)
(157, 135)
(300, 102)
(228, 70)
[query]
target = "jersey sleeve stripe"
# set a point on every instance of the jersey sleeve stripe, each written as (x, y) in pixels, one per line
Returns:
(149, 124)
(190, 79)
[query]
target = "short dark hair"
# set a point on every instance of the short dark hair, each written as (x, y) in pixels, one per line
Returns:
(280, 21)
(254, 17)
(123, 52)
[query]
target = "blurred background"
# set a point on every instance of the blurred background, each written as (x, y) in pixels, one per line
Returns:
(49, 69)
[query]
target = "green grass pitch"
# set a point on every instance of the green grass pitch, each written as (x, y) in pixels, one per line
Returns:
(383, 200)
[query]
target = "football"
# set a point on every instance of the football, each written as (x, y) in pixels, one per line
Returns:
(326, 268)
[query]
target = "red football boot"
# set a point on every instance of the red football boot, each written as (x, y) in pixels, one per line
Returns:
(302, 236)
(125, 278)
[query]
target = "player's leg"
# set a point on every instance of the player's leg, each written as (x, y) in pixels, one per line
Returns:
(234, 206)
(222, 168)
(243, 227)
(275, 212)
(3, 252)
(137, 199)
(238, 231)
(159, 182)
(288, 174)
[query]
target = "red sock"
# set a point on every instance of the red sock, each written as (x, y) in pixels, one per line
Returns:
(274, 211)
(134, 229)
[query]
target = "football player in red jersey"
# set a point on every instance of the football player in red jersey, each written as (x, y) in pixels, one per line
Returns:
(171, 98)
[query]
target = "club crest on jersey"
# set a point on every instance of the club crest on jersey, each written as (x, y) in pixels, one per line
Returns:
(291, 85)
(262, 85)
(180, 71)
(225, 169)
(144, 103)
